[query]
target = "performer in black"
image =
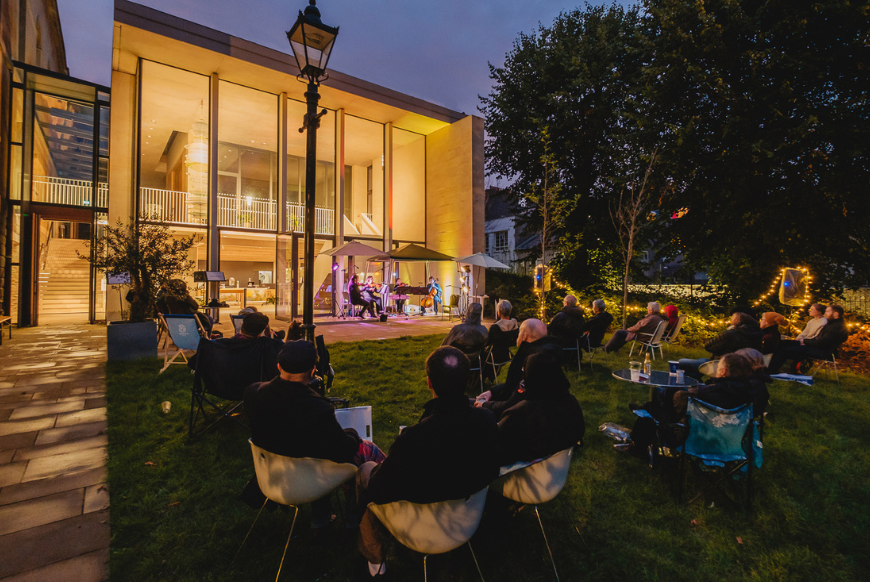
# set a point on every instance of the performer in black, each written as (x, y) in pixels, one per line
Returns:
(354, 290)
(370, 294)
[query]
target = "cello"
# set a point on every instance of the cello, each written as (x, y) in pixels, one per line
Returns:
(429, 300)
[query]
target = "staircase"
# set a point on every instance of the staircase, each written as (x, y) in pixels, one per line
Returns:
(63, 281)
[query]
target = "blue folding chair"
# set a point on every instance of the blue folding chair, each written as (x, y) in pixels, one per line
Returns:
(185, 332)
(725, 443)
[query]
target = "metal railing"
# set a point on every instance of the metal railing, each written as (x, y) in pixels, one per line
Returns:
(68, 191)
(246, 212)
(172, 206)
(324, 219)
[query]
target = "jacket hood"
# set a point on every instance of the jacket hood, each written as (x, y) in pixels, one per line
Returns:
(474, 314)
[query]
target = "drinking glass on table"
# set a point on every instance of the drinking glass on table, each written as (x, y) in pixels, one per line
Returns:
(635, 370)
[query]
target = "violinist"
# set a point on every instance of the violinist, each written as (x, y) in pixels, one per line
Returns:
(354, 290)
(436, 296)
(399, 297)
(370, 293)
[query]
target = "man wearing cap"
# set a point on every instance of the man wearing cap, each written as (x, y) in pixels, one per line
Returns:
(289, 418)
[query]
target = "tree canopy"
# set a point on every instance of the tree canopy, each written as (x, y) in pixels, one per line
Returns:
(759, 113)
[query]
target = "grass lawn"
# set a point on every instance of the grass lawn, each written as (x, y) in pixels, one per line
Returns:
(176, 515)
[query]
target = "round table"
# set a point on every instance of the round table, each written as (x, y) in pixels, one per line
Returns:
(655, 380)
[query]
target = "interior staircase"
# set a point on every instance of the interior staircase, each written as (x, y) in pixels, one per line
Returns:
(63, 280)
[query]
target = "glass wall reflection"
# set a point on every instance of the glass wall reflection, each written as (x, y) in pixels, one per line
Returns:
(409, 186)
(364, 178)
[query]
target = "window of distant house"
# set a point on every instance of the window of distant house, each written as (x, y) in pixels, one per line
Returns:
(501, 240)
(486, 240)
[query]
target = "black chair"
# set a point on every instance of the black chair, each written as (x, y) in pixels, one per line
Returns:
(497, 352)
(224, 368)
(475, 357)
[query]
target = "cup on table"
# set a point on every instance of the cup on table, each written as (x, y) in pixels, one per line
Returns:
(635, 370)
(681, 376)
(673, 365)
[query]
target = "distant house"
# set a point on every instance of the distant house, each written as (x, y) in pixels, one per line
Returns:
(504, 240)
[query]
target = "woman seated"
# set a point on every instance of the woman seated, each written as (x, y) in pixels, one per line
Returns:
(770, 335)
(543, 419)
(673, 315)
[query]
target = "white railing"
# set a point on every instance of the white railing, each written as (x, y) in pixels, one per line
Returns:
(183, 208)
(171, 206)
(67, 191)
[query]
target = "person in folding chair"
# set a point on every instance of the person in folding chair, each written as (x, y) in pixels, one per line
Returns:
(568, 322)
(829, 339)
(597, 325)
(646, 326)
(255, 325)
(502, 335)
(289, 418)
(450, 454)
(744, 332)
(175, 299)
(470, 332)
(547, 419)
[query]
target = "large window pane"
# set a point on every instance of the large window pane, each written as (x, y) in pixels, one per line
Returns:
(174, 145)
(324, 187)
(63, 151)
(364, 178)
(248, 263)
(409, 186)
(247, 158)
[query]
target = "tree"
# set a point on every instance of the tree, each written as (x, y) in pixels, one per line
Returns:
(631, 216)
(762, 111)
(151, 255)
(578, 79)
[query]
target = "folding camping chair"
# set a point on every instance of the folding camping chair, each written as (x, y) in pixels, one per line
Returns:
(589, 348)
(671, 338)
(725, 443)
(184, 331)
(224, 368)
(654, 342)
(498, 351)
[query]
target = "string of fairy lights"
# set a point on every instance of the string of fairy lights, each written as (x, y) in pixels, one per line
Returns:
(713, 323)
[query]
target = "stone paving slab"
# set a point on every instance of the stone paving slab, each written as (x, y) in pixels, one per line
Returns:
(91, 567)
(43, 487)
(36, 512)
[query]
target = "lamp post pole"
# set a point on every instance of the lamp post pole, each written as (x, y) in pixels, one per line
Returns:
(312, 122)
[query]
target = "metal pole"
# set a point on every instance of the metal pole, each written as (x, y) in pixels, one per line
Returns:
(312, 122)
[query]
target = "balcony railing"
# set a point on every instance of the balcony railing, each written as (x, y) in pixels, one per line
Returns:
(67, 191)
(184, 208)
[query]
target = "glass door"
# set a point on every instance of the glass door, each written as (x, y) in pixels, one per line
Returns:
(285, 290)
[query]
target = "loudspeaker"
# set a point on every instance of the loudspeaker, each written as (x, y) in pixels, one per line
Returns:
(793, 288)
(383, 318)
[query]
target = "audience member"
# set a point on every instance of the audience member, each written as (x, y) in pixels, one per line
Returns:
(532, 339)
(566, 324)
(254, 325)
(831, 336)
(598, 324)
(545, 420)
(295, 331)
(501, 337)
(673, 315)
(469, 336)
(815, 325)
(770, 335)
(744, 332)
(646, 326)
(733, 386)
(759, 379)
(505, 321)
(290, 418)
(175, 299)
(450, 454)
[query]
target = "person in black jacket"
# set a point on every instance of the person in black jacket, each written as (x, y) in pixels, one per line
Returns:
(597, 325)
(744, 332)
(450, 454)
(354, 291)
(545, 420)
(566, 324)
(291, 419)
(820, 347)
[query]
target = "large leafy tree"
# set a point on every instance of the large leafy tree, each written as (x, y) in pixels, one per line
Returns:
(578, 80)
(761, 109)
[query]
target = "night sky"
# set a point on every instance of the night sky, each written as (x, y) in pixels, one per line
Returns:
(437, 51)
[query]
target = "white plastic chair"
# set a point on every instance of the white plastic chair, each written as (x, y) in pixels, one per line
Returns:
(293, 481)
(655, 341)
(185, 332)
(358, 418)
(433, 528)
(536, 483)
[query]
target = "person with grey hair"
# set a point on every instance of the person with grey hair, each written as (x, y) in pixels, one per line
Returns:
(502, 335)
(505, 321)
(597, 325)
(646, 326)
(566, 324)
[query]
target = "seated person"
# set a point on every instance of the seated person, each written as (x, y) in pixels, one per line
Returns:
(354, 291)
(673, 315)
(532, 339)
(450, 454)
(469, 336)
(437, 299)
(732, 387)
(597, 325)
(370, 293)
(545, 419)
(501, 336)
(175, 299)
(255, 325)
(566, 324)
(812, 329)
(646, 326)
(759, 379)
(290, 418)
(744, 332)
(295, 331)
(505, 322)
(770, 335)
(399, 298)
(821, 347)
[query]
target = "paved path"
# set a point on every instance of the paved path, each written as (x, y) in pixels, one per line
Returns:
(54, 516)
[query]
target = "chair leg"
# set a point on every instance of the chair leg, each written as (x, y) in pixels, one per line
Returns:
(632, 348)
(250, 530)
(475, 561)
(425, 578)
(295, 513)
(547, 543)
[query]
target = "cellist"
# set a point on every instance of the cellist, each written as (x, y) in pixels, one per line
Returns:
(436, 297)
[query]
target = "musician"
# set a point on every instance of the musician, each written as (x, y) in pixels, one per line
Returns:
(354, 291)
(437, 298)
(399, 296)
(370, 293)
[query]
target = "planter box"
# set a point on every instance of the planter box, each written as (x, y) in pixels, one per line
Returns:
(131, 341)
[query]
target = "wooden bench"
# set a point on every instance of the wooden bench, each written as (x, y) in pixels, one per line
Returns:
(5, 320)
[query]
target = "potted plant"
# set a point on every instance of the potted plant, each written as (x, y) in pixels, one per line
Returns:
(151, 256)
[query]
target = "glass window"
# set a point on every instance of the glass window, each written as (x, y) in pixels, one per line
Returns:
(15, 173)
(247, 158)
(409, 186)
(173, 145)
(501, 240)
(63, 151)
(17, 114)
(364, 178)
(324, 186)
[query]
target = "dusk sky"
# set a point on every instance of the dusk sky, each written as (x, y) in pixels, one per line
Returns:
(437, 51)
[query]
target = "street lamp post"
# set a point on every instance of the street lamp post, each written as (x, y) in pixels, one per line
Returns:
(312, 43)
